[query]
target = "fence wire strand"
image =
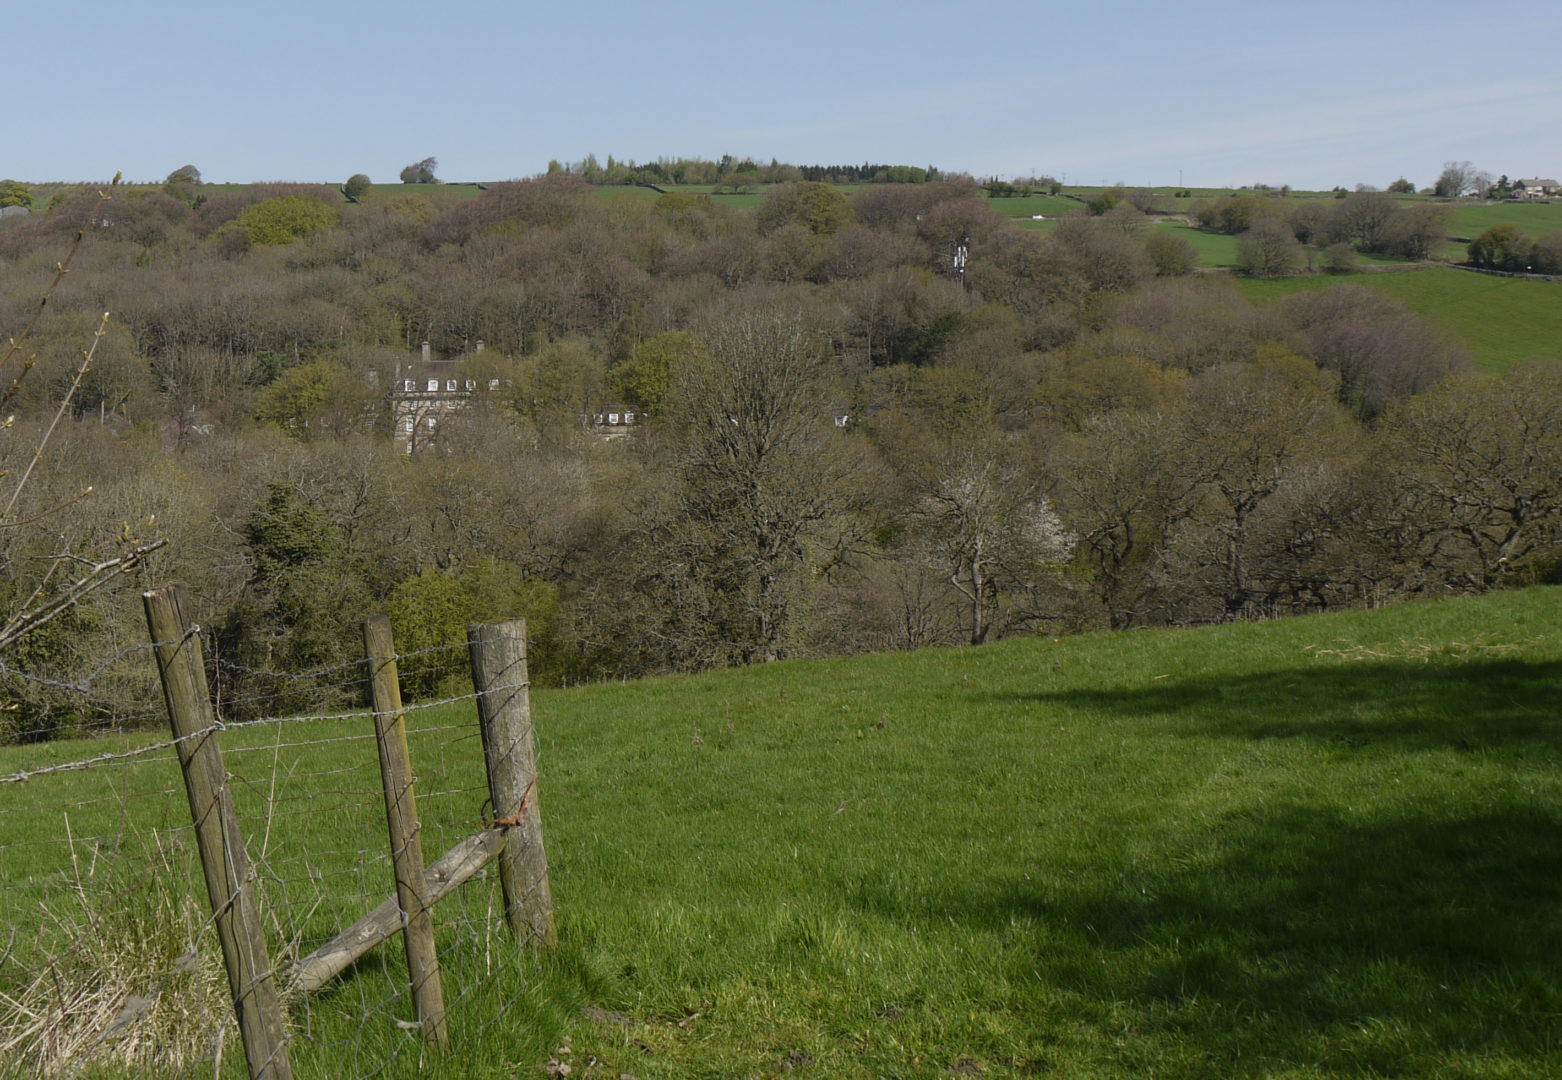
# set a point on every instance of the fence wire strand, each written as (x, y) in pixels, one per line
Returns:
(109, 955)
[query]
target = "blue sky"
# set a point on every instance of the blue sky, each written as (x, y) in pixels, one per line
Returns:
(1210, 94)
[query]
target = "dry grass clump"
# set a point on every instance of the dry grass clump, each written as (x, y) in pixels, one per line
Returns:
(1421, 650)
(124, 974)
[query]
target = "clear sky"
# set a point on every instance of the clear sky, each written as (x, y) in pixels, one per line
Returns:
(1208, 94)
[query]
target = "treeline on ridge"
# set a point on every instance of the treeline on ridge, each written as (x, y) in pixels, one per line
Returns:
(855, 440)
(737, 173)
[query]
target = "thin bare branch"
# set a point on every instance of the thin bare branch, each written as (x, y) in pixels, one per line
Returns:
(81, 373)
(95, 577)
(61, 269)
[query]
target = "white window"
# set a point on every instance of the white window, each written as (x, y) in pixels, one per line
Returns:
(450, 385)
(408, 385)
(471, 384)
(433, 385)
(493, 384)
(407, 425)
(629, 417)
(612, 418)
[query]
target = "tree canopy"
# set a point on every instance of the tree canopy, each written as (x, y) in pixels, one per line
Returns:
(15, 193)
(420, 172)
(841, 442)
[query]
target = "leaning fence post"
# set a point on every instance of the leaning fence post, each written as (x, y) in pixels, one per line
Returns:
(498, 653)
(401, 815)
(180, 664)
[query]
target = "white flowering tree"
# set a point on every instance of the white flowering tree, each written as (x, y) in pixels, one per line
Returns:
(985, 522)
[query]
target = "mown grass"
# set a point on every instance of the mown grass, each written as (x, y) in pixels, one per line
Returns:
(1215, 249)
(1531, 217)
(1502, 321)
(1028, 206)
(1468, 222)
(442, 196)
(1322, 847)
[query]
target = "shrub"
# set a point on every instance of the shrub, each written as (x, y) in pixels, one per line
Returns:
(1501, 247)
(1339, 258)
(1172, 255)
(435, 608)
(285, 219)
(1546, 256)
(1268, 249)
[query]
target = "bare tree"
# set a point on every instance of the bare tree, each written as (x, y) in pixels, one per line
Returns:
(1461, 178)
(1268, 249)
(986, 524)
(1478, 462)
(420, 172)
(764, 498)
(70, 575)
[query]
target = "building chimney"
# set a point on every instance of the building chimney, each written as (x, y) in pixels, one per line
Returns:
(426, 353)
(479, 348)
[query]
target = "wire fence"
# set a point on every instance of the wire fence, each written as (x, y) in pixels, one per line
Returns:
(110, 958)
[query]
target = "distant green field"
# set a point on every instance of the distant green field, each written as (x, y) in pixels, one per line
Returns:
(441, 195)
(1219, 250)
(1215, 249)
(1027, 206)
(1502, 320)
(1533, 218)
(1045, 225)
(747, 200)
(1468, 222)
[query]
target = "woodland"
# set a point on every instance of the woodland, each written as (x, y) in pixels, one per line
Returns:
(877, 420)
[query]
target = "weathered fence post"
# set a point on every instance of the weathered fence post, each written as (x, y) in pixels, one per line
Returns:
(498, 652)
(177, 644)
(401, 815)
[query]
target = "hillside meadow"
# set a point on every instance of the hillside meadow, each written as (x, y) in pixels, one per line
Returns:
(1320, 847)
(1502, 321)
(1532, 216)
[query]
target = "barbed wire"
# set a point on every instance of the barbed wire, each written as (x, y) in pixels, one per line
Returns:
(83, 685)
(81, 870)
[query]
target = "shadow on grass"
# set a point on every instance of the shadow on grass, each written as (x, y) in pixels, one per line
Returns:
(1375, 943)
(1419, 938)
(1382, 946)
(1418, 705)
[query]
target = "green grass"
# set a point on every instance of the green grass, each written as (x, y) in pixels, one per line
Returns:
(1468, 222)
(1028, 206)
(1215, 249)
(1502, 321)
(1313, 848)
(1531, 217)
(747, 200)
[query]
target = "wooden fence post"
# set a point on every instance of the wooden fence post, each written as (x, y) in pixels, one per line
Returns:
(181, 666)
(401, 816)
(498, 653)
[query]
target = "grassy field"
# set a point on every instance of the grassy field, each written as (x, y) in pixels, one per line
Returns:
(1502, 320)
(1533, 218)
(1322, 847)
(1028, 206)
(1215, 249)
(1468, 222)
